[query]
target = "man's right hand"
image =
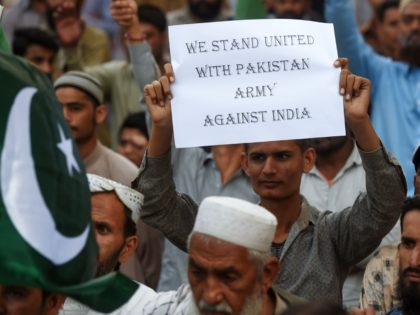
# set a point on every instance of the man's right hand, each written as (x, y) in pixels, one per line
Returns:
(158, 96)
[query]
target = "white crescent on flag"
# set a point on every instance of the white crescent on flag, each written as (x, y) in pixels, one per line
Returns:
(21, 193)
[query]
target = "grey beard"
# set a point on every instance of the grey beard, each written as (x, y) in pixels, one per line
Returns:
(253, 305)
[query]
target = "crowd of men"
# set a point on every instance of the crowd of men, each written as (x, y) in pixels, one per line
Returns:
(100, 213)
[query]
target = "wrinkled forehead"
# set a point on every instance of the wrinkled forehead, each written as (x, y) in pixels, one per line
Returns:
(210, 247)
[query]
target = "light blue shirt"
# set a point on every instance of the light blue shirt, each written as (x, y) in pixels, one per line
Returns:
(395, 87)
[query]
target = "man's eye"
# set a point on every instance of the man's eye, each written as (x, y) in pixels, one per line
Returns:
(257, 157)
(16, 293)
(408, 244)
(102, 228)
(282, 156)
(75, 108)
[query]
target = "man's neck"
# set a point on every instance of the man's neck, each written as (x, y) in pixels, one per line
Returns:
(228, 160)
(329, 165)
(286, 211)
(86, 147)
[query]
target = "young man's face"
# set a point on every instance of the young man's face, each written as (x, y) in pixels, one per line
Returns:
(108, 219)
(275, 168)
(42, 58)
(389, 28)
(79, 111)
(223, 278)
(132, 144)
(154, 37)
(25, 301)
(409, 252)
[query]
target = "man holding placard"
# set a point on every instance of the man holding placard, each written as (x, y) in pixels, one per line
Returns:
(316, 249)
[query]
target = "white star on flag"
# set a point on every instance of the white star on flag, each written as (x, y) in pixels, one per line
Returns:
(66, 146)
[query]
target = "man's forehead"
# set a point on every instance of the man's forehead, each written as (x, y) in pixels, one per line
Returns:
(273, 145)
(212, 246)
(411, 224)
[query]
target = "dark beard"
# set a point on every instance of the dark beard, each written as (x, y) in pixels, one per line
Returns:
(411, 55)
(110, 264)
(289, 15)
(205, 11)
(410, 48)
(410, 294)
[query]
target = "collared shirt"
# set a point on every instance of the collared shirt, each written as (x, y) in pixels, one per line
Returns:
(380, 282)
(22, 14)
(395, 87)
(320, 247)
(196, 174)
(341, 193)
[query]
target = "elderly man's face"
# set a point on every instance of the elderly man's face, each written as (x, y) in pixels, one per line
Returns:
(223, 278)
(24, 301)
(290, 9)
(108, 220)
(409, 252)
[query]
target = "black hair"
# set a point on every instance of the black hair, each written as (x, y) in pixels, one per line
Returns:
(410, 204)
(130, 228)
(303, 144)
(385, 6)
(26, 37)
(136, 121)
(151, 14)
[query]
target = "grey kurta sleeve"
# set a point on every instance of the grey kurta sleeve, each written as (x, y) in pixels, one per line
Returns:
(165, 209)
(358, 230)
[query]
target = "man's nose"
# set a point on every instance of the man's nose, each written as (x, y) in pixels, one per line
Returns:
(46, 67)
(269, 166)
(415, 257)
(213, 292)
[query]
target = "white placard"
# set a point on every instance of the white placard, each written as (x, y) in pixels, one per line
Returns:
(254, 81)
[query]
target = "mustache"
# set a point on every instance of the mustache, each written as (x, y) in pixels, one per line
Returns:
(411, 270)
(222, 307)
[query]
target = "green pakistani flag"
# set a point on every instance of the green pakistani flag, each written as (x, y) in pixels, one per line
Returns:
(47, 237)
(3, 42)
(250, 9)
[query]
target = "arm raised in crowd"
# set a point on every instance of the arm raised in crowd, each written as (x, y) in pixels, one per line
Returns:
(358, 230)
(364, 60)
(164, 208)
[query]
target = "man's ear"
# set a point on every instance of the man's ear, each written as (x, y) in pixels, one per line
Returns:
(271, 269)
(129, 248)
(309, 157)
(244, 163)
(53, 303)
(100, 114)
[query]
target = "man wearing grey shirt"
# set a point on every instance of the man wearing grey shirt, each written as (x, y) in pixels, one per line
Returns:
(316, 249)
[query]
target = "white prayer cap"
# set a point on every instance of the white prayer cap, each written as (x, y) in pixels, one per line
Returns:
(131, 198)
(236, 221)
(404, 3)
